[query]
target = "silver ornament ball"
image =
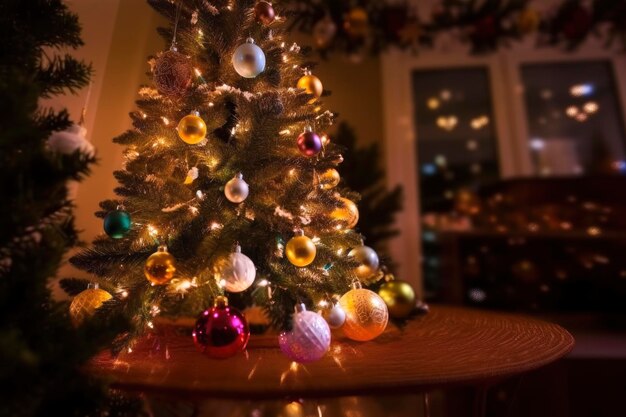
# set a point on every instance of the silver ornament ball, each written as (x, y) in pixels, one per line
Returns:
(236, 190)
(367, 259)
(237, 273)
(335, 316)
(249, 59)
(68, 141)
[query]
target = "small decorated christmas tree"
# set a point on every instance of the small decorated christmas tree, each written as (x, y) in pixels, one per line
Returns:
(230, 198)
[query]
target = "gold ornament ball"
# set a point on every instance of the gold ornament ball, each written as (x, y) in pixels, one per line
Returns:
(192, 129)
(86, 303)
(312, 85)
(356, 23)
(366, 314)
(300, 251)
(399, 297)
(160, 267)
(368, 262)
(528, 21)
(348, 213)
(329, 179)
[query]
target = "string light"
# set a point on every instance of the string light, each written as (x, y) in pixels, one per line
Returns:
(263, 283)
(152, 231)
(166, 121)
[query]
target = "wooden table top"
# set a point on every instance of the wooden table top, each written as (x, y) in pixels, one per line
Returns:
(449, 346)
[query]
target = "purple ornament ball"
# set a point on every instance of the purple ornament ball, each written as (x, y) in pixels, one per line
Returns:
(309, 143)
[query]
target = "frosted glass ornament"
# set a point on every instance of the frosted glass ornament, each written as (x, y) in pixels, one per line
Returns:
(236, 190)
(249, 59)
(309, 338)
(236, 272)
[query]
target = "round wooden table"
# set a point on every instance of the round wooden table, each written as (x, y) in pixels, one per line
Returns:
(450, 346)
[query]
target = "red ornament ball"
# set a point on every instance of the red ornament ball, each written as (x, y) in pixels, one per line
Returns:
(309, 143)
(264, 12)
(173, 73)
(221, 331)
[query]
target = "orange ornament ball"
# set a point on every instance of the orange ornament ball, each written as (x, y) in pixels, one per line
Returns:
(366, 314)
(312, 85)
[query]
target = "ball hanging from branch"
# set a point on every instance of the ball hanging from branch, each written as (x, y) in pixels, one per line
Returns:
(68, 141)
(221, 331)
(347, 213)
(399, 296)
(192, 128)
(366, 314)
(173, 73)
(324, 32)
(236, 190)
(160, 267)
(248, 59)
(236, 272)
(367, 259)
(309, 338)
(356, 23)
(309, 143)
(329, 179)
(85, 304)
(312, 85)
(300, 251)
(117, 223)
(334, 316)
(264, 13)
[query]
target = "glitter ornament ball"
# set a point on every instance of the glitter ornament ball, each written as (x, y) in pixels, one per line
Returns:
(366, 314)
(236, 190)
(192, 129)
(309, 338)
(300, 251)
(312, 85)
(249, 59)
(368, 261)
(309, 143)
(399, 297)
(347, 213)
(236, 272)
(68, 141)
(264, 13)
(86, 303)
(173, 73)
(117, 223)
(160, 267)
(221, 331)
(329, 179)
(334, 316)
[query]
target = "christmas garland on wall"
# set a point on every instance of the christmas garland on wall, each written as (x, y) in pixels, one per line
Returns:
(371, 26)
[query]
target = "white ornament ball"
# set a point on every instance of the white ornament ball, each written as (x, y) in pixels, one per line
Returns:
(236, 190)
(237, 272)
(71, 140)
(309, 338)
(367, 259)
(335, 316)
(249, 59)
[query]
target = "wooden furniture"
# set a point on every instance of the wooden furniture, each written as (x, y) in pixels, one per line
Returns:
(448, 347)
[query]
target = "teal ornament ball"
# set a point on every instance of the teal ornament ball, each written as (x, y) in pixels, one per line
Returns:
(249, 59)
(117, 223)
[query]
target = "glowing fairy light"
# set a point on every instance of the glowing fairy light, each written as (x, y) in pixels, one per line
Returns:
(263, 283)
(316, 239)
(193, 209)
(292, 172)
(150, 325)
(197, 72)
(130, 349)
(216, 226)
(143, 115)
(323, 304)
(152, 231)
(285, 132)
(211, 104)
(165, 120)
(339, 251)
(200, 195)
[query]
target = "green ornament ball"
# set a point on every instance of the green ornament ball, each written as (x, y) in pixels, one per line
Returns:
(117, 223)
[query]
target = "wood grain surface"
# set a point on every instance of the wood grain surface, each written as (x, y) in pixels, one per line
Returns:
(449, 346)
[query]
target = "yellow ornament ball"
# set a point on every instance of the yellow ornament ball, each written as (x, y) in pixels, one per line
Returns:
(86, 303)
(160, 267)
(329, 179)
(312, 85)
(356, 23)
(300, 251)
(347, 213)
(366, 314)
(399, 297)
(192, 129)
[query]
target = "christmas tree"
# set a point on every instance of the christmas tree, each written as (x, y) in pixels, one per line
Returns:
(40, 151)
(230, 198)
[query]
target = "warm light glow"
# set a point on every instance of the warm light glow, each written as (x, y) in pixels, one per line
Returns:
(150, 325)
(594, 231)
(216, 226)
(197, 72)
(591, 107)
(166, 121)
(152, 231)
(581, 117)
(285, 132)
(263, 283)
(447, 122)
(580, 90)
(323, 304)
(292, 172)
(433, 103)
(445, 95)
(200, 195)
(571, 111)
(479, 122)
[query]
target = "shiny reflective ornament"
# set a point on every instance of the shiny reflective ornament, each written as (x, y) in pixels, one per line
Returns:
(366, 314)
(312, 85)
(236, 190)
(356, 23)
(249, 59)
(329, 179)
(173, 73)
(160, 267)
(309, 338)
(347, 213)
(72, 139)
(221, 331)
(86, 303)
(300, 251)
(192, 129)
(117, 223)
(264, 13)
(324, 32)
(368, 262)
(334, 316)
(309, 143)
(399, 297)
(237, 271)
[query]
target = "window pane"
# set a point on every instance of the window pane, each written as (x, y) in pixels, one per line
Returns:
(574, 118)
